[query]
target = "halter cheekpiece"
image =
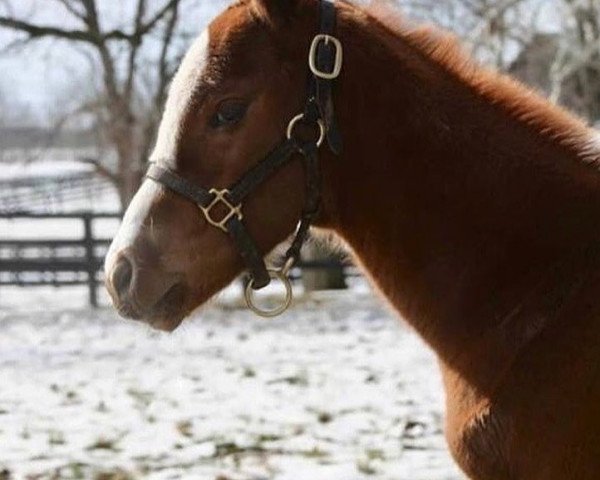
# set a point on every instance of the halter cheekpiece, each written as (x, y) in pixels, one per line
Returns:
(325, 63)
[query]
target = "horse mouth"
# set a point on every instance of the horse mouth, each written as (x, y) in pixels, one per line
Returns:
(165, 315)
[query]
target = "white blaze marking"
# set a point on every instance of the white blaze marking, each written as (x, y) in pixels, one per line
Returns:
(181, 92)
(134, 221)
(180, 95)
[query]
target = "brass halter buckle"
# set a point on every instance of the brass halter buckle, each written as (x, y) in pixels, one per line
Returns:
(282, 275)
(339, 57)
(221, 198)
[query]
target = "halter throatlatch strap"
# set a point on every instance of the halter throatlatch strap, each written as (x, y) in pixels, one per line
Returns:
(325, 63)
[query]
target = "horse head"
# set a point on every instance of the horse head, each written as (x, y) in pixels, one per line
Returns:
(230, 102)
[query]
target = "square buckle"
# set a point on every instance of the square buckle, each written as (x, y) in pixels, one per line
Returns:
(339, 57)
(220, 198)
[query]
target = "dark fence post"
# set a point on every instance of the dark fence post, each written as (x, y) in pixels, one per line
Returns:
(91, 259)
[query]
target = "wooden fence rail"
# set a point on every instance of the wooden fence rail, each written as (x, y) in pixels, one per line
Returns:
(56, 262)
(72, 261)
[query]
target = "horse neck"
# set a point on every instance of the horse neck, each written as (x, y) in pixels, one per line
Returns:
(454, 201)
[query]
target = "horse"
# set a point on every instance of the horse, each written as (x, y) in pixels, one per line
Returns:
(472, 204)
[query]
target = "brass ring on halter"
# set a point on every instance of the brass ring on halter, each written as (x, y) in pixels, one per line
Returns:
(297, 119)
(287, 301)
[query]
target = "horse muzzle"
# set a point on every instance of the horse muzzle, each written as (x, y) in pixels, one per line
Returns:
(141, 292)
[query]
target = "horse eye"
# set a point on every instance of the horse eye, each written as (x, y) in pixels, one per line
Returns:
(228, 114)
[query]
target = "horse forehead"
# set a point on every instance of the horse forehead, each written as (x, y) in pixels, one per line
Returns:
(183, 88)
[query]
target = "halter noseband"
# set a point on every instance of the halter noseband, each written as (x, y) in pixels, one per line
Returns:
(325, 63)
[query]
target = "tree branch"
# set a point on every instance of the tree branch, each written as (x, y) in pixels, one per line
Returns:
(159, 16)
(135, 46)
(108, 64)
(164, 73)
(101, 169)
(71, 9)
(37, 31)
(164, 77)
(90, 17)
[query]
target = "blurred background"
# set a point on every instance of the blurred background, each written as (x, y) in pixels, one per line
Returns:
(335, 389)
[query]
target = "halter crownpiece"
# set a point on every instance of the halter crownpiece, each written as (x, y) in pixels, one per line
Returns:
(325, 62)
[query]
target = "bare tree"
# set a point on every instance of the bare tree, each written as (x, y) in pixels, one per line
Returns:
(565, 63)
(494, 29)
(576, 66)
(128, 104)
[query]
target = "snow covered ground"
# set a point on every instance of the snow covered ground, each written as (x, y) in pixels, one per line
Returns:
(335, 390)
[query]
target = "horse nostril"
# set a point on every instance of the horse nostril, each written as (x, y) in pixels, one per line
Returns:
(121, 277)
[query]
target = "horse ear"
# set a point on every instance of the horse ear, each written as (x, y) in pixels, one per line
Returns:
(275, 10)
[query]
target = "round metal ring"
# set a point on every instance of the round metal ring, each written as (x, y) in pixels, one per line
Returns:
(297, 119)
(249, 295)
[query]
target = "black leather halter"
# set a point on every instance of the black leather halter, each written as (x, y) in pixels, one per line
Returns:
(325, 62)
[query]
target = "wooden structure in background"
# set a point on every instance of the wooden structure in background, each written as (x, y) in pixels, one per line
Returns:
(46, 261)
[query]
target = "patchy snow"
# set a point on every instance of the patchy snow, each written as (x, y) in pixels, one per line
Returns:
(55, 228)
(45, 169)
(334, 390)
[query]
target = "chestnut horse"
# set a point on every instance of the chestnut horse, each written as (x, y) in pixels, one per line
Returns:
(472, 203)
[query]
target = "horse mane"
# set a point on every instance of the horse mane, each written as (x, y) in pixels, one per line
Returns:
(523, 103)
